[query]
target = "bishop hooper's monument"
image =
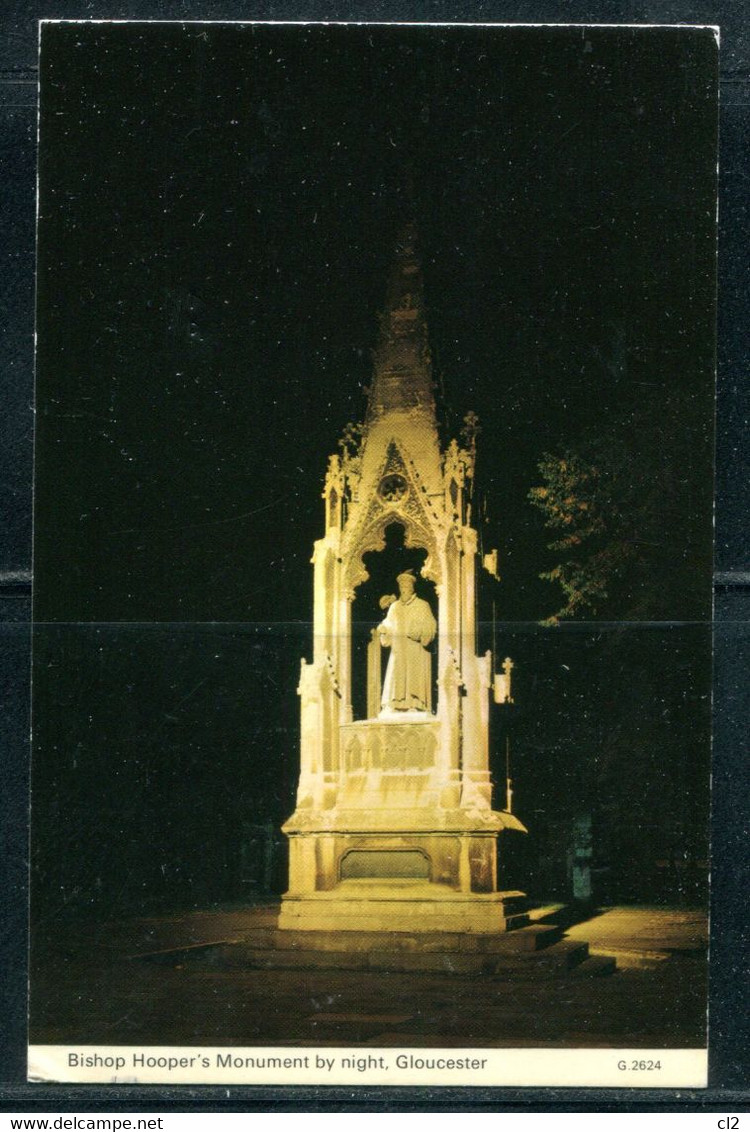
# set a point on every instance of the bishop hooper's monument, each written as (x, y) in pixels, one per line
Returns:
(394, 828)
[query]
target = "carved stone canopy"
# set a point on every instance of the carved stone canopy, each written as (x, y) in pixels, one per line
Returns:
(373, 538)
(399, 497)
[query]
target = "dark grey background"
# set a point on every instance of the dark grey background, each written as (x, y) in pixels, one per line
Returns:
(729, 1044)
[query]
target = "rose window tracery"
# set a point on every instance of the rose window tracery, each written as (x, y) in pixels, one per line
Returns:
(393, 488)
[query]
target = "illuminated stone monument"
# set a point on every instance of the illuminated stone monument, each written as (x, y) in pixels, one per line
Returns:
(394, 827)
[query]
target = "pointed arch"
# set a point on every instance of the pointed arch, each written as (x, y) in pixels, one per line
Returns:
(410, 508)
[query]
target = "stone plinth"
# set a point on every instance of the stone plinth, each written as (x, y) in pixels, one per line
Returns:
(392, 849)
(390, 763)
(400, 905)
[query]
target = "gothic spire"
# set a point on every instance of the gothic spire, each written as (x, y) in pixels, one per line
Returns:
(402, 378)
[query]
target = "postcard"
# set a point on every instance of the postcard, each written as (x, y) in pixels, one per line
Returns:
(372, 553)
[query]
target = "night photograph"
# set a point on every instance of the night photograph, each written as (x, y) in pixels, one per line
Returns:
(365, 345)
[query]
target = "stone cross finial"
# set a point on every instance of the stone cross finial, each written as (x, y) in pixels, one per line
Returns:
(502, 691)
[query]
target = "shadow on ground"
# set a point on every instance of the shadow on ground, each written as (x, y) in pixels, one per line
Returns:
(99, 983)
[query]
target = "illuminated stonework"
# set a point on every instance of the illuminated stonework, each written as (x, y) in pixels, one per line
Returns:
(393, 488)
(394, 826)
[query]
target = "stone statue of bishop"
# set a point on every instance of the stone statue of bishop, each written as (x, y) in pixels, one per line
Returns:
(408, 629)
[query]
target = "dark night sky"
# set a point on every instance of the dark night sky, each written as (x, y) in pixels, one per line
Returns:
(218, 208)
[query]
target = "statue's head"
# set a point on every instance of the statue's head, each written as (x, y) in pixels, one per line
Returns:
(406, 583)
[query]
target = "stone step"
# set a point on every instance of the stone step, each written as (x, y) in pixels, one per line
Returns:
(516, 920)
(516, 901)
(531, 951)
(523, 938)
(595, 966)
(556, 959)
(371, 905)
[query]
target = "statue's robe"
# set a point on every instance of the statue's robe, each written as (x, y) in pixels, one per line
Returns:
(408, 629)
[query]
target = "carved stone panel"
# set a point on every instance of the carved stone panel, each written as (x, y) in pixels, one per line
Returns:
(388, 745)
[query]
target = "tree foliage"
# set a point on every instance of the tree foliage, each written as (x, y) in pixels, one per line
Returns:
(631, 517)
(582, 502)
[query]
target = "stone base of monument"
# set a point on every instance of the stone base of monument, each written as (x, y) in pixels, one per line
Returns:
(372, 905)
(529, 953)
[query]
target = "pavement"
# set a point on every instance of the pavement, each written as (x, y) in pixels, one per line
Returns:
(644, 937)
(146, 981)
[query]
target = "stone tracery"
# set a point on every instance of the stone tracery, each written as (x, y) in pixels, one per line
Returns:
(420, 777)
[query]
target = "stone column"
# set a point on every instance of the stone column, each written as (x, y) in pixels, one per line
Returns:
(374, 675)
